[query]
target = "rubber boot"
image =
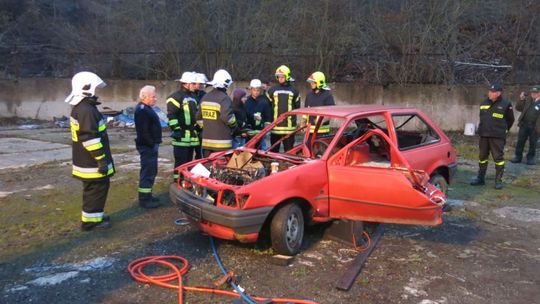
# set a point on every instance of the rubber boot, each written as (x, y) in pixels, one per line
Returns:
(499, 170)
(480, 179)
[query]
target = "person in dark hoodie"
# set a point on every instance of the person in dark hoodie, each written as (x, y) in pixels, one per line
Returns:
(239, 110)
(258, 109)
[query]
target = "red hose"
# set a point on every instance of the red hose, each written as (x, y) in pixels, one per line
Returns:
(136, 267)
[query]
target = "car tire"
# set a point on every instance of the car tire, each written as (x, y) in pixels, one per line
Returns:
(439, 181)
(287, 230)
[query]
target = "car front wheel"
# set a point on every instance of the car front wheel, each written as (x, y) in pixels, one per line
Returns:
(287, 230)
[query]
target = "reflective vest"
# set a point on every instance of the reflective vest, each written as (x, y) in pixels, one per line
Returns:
(90, 142)
(284, 98)
(181, 111)
(217, 119)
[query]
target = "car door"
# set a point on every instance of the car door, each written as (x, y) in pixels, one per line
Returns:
(369, 180)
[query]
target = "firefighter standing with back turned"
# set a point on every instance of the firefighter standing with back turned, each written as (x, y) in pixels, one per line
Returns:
(181, 111)
(148, 129)
(283, 98)
(92, 159)
(215, 115)
(496, 119)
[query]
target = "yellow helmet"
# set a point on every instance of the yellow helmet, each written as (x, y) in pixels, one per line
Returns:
(284, 71)
(319, 79)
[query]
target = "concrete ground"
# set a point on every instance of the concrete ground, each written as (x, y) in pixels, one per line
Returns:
(486, 251)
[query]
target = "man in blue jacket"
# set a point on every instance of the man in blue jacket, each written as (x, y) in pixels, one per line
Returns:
(148, 129)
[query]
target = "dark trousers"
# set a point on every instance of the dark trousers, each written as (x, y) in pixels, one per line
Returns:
(526, 133)
(148, 172)
(287, 143)
(182, 155)
(94, 197)
(198, 152)
(492, 145)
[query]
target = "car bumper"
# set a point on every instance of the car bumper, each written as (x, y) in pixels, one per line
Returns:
(238, 224)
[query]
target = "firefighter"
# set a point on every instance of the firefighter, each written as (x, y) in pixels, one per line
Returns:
(215, 115)
(92, 159)
(283, 98)
(529, 125)
(200, 82)
(148, 129)
(258, 109)
(181, 111)
(496, 119)
(319, 96)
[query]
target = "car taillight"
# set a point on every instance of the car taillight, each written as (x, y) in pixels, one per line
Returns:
(228, 198)
(242, 199)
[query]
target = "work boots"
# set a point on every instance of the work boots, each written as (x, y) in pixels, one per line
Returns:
(499, 170)
(480, 179)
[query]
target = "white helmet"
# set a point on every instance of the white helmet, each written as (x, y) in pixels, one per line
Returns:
(255, 84)
(222, 79)
(200, 78)
(187, 77)
(83, 84)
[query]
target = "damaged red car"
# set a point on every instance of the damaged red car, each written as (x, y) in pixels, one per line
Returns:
(367, 163)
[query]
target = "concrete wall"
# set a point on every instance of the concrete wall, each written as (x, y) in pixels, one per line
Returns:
(450, 107)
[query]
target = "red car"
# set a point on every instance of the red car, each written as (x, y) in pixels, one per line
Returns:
(374, 164)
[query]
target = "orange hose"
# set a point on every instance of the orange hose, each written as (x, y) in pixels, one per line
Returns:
(135, 268)
(366, 246)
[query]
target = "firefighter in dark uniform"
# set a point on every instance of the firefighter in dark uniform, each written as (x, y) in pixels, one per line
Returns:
(215, 115)
(496, 119)
(148, 129)
(319, 96)
(92, 159)
(283, 98)
(200, 82)
(529, 125)
(181, 111)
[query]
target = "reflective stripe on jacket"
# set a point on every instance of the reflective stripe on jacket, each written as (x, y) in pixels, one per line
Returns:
(181, 112)
(496, 118)
(322, 98)
(217, 119)
(90, 142)
(284, 98)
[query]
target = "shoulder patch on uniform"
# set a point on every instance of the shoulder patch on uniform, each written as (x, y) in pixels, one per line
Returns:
(141, 106)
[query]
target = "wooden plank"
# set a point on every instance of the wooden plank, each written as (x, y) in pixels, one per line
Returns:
(348, 278)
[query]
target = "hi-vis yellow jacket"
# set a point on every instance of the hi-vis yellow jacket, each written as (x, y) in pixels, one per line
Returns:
(90, 141)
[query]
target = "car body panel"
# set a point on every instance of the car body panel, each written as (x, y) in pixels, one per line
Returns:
(325, 188)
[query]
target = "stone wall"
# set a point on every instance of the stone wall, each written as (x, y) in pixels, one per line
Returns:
(450, 107)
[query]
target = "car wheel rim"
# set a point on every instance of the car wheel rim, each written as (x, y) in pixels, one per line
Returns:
(292, 230)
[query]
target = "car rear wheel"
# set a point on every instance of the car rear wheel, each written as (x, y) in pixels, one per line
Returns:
(439, 181)
(287, 230)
